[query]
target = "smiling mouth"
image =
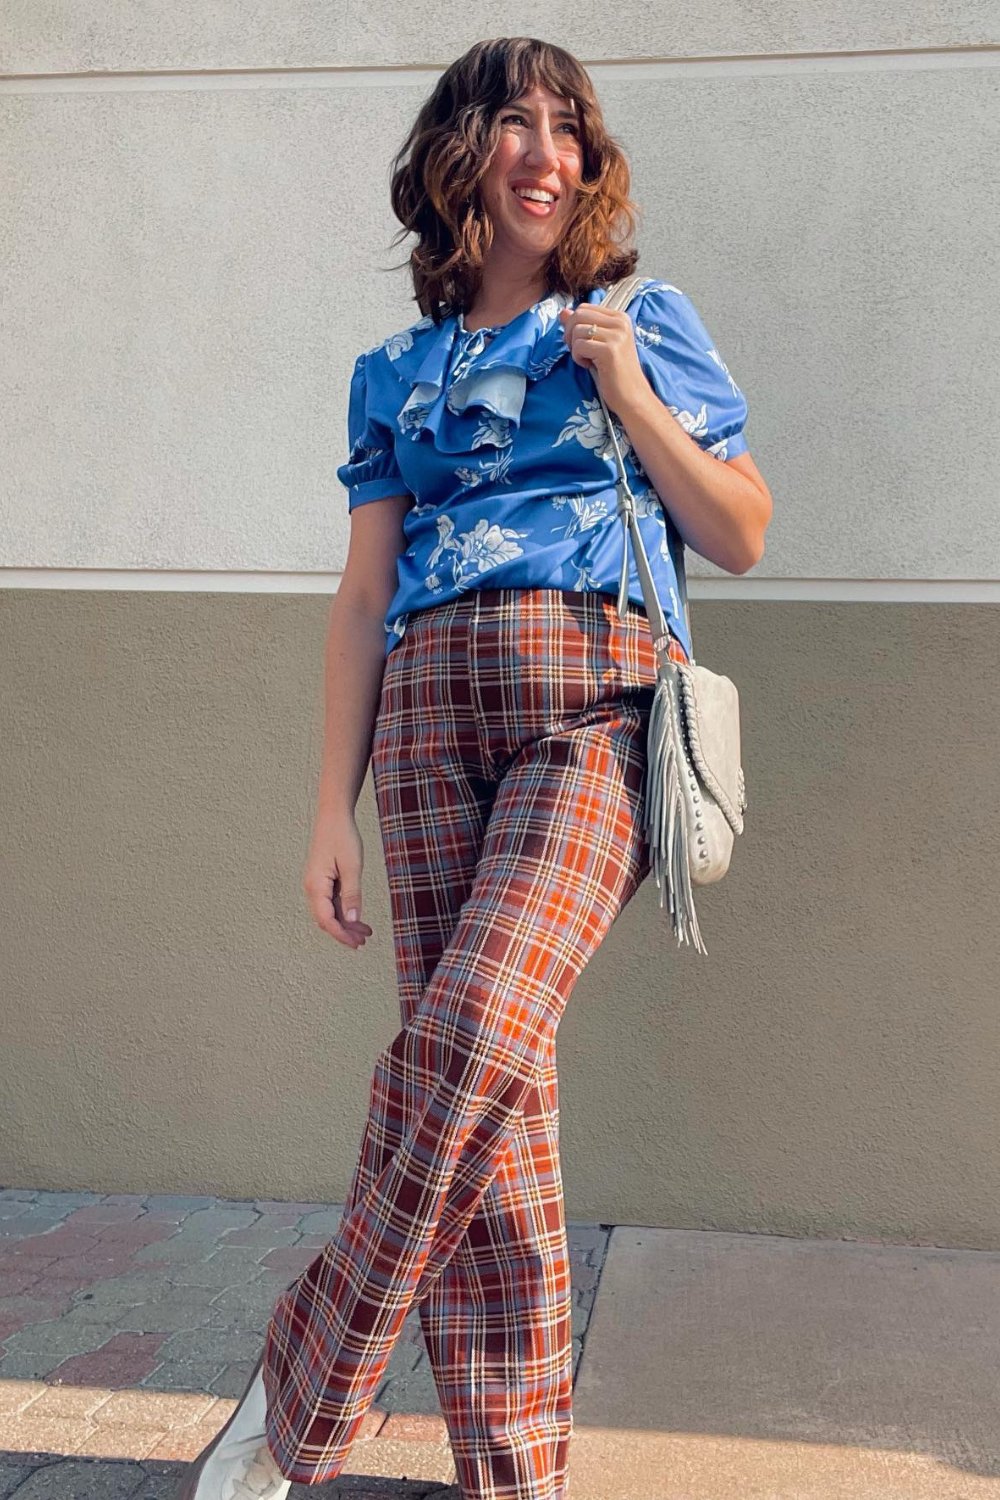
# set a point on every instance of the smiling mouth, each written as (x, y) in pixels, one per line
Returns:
(540, 207)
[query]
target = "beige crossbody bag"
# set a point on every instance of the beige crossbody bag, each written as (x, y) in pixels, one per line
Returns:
(695, 793)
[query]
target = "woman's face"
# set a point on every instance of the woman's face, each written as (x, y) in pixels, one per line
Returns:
(540, 146)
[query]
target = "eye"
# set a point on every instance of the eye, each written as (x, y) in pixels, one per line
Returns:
(567, 126)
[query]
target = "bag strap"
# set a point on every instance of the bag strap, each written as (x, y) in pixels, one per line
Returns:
(618, 297)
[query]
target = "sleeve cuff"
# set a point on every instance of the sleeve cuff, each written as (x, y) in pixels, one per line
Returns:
(374, 489)
(730, 447)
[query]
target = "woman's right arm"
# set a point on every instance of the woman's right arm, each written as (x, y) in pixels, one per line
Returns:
(354, 664)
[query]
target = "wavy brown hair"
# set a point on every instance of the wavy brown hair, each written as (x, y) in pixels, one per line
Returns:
(435, 177)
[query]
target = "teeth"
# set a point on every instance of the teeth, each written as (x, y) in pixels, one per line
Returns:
(539, 194)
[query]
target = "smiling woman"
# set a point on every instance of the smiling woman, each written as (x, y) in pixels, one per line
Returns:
(528, 115)
(477, 659)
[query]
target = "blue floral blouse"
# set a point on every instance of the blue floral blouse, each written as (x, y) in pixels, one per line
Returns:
(499, 436)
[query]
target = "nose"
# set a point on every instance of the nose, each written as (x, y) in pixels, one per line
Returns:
(542, 151)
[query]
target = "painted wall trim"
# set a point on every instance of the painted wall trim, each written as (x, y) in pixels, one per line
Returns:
(194, 581)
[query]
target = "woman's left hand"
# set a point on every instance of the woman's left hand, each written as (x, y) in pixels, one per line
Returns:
(609, 353)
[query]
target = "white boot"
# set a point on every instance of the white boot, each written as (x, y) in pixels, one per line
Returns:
(237, 1464)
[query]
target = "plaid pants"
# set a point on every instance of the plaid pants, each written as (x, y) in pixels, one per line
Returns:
(508, 760)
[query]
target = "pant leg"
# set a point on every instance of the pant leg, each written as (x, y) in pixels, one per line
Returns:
(560, 856)
(497, 1322)
(500, 1312)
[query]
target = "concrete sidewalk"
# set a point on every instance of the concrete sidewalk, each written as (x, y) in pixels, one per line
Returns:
(708, 1366)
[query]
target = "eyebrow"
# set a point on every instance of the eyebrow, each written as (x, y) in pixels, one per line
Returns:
(560, 114)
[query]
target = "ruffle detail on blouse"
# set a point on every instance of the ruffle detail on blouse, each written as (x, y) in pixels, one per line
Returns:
(489, 374)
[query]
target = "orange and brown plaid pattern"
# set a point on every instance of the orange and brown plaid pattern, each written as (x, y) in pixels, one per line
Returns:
(508, 760)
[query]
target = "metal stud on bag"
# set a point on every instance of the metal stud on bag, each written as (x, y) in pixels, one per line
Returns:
(695, 791)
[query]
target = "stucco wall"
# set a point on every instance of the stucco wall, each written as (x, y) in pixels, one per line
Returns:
(192, 251)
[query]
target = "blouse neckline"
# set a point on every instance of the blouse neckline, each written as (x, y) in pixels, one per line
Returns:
(494, 328)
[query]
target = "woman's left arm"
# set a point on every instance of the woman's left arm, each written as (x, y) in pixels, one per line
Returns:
(721, 508)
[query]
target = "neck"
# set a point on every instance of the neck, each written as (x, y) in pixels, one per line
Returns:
(505, 292)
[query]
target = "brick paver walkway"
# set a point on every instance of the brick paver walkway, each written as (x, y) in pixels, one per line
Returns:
(129, 1324)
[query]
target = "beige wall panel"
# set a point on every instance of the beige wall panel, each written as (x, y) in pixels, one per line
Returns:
(190, 274)
(174, 1022)
(45, 36)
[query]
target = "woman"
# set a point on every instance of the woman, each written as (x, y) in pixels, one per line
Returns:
(475, 654)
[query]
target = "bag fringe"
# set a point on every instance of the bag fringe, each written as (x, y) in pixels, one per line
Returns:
(667, 813)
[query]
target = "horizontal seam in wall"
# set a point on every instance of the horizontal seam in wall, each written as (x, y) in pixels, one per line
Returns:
(608, 70)
(266, 581)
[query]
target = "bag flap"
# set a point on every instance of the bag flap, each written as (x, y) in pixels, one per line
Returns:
(711, 707)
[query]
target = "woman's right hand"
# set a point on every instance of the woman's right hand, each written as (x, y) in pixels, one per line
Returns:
(332, 879)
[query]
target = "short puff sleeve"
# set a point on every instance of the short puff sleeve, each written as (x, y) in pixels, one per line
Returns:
(687, 372)
(371, 471)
